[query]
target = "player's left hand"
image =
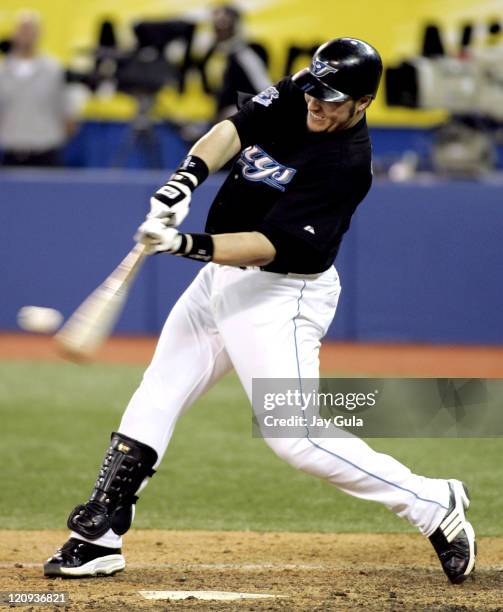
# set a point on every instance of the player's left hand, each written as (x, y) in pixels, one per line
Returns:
(158, 238)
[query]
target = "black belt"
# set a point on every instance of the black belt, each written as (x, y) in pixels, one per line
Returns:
(275, 271)
(264, 269)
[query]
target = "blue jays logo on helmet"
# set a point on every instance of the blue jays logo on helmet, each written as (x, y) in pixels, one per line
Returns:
(320, 69)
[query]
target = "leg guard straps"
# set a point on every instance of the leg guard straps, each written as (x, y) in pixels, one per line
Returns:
(125, 466)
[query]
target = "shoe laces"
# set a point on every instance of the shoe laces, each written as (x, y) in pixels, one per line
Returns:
(68, 550)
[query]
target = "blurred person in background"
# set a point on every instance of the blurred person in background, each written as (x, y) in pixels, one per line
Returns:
(36, 114)
(244, 68)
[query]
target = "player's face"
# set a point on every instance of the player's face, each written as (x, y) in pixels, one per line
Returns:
(330, 116)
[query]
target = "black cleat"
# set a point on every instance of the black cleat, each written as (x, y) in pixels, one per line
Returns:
(454, 540)
(77, 559)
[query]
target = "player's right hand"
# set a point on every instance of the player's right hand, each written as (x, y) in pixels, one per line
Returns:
(171, 202)
(158, 238)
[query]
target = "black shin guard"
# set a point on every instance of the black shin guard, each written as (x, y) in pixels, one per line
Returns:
(126, 464)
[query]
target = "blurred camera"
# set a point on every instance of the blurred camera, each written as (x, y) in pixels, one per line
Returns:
(459, 85)
(467, 83)
(147, 67)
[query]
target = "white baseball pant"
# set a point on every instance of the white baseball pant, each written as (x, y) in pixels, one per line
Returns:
(266, 325)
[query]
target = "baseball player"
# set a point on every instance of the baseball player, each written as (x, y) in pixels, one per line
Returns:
(262, 303)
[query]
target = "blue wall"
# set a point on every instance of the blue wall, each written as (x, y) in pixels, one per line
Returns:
(421, 262)
(110, 144)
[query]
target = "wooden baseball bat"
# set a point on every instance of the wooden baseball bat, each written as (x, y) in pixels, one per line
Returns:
(91, 324)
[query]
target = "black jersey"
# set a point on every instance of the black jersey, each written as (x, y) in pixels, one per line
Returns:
(299, 188)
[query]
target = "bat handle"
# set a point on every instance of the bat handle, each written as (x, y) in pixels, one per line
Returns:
(140, 248)
(129, 266)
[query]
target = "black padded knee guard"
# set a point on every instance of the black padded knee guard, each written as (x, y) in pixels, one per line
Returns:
(126, 464)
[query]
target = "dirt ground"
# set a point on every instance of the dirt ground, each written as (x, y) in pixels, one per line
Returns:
(311, 572)
(345, 357)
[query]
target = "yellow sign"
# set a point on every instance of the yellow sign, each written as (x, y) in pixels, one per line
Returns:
(394, 27)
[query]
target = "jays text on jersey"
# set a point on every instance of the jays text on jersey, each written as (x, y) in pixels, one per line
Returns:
(297, 187)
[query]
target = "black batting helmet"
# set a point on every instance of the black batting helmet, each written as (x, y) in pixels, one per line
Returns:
(342, 68)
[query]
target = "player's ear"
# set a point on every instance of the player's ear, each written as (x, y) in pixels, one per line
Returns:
(363, 103)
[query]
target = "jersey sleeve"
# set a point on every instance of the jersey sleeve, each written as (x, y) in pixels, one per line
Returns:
(264, 114)
(306, 223)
